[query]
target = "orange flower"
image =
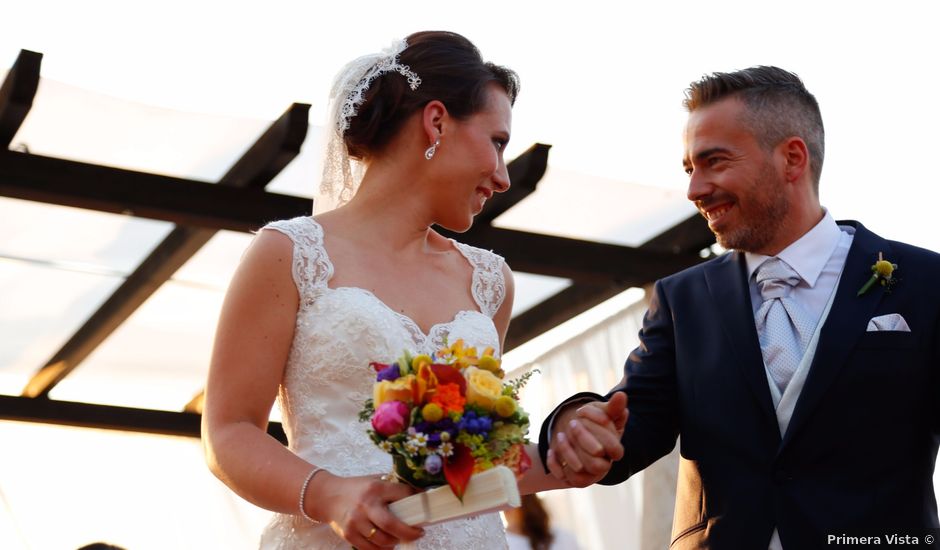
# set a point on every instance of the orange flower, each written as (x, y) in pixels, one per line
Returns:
(449, 398)
(461, 355)
(394, 390)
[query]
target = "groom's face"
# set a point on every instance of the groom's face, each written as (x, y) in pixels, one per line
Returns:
(733, 181)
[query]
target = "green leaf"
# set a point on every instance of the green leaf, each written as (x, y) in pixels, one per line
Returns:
(368, 409)
(867, 285)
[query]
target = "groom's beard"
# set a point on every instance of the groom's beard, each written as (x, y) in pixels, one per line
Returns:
(762, 210)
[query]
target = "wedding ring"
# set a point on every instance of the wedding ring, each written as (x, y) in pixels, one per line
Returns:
(564, 464)
(371, 533)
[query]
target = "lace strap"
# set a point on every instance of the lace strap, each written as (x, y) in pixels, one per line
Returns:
(311, 267)
(488, 286)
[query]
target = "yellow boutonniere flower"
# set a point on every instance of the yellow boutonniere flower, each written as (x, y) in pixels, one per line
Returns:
(882, 272)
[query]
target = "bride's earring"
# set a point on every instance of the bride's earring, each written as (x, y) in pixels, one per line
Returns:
(429, 152)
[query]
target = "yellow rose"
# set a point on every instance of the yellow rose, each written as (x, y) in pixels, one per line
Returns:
(394, 390)
(483, 388)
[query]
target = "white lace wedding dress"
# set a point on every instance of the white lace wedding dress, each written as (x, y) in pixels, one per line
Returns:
(328, 378)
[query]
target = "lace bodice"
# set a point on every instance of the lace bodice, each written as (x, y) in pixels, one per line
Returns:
(339, 331)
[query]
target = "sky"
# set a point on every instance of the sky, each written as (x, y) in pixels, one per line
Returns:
(602, 82)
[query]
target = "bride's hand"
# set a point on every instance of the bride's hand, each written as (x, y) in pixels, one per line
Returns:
(357, 509)
(587, 441)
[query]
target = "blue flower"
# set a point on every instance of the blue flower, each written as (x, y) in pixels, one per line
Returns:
(391, 373)
(473, 424)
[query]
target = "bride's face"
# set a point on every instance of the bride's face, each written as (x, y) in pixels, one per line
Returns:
(473, 167)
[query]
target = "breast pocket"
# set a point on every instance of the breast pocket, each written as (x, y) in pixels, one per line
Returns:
(894, 339)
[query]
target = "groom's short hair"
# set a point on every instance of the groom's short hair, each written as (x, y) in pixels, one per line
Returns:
(777, 106)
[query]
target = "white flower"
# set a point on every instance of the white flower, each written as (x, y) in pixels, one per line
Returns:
(418, 439)
(446, 449)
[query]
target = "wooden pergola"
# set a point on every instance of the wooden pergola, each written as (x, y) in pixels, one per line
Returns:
(239, 202)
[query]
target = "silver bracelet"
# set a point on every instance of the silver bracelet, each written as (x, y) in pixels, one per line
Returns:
(303, 492)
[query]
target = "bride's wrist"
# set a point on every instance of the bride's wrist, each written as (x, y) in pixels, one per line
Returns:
(311, 495)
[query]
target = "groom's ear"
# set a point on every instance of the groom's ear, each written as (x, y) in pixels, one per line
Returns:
(795, 156)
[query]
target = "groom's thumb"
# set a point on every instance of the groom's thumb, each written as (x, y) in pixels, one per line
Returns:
(617, 409)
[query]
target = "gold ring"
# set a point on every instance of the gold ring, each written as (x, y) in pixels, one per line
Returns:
(371, 533)
(564, 464)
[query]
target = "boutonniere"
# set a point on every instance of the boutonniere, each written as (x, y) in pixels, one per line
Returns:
(882, 272)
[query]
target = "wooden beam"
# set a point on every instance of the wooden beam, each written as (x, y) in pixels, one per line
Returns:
(218, 207)
(690, 236)
(686, 238)
(582, 261)
(159, 266)
(183, 201)
(17, 93)
(268, 156)
(107, 417)
(525, 172)
(117, 191)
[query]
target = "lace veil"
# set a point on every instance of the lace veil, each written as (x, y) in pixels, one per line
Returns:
(341, 173)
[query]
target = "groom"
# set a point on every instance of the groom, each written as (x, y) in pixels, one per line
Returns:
(807, 399)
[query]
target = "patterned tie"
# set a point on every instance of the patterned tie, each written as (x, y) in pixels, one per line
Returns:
(783, 326)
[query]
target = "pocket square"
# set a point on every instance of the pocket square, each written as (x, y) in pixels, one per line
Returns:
(891, 321)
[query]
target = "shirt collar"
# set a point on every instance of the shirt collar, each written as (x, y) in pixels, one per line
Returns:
(808, 254)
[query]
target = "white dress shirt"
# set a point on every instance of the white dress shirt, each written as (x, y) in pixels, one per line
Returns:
(818, 257)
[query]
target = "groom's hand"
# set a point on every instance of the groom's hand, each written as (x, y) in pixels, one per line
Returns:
(586, 439)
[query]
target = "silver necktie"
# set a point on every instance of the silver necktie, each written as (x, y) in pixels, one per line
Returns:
(783, 326)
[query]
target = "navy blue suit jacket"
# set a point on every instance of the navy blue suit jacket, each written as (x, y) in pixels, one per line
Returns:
(860, 450)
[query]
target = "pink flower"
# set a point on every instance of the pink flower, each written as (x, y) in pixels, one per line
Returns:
(391, 418)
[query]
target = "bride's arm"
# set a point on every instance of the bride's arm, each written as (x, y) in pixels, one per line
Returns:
(253, 340)
(536, 479)
(504, 313)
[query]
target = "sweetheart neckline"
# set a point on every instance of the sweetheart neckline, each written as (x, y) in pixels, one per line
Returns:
(402, 316)
(331, 271)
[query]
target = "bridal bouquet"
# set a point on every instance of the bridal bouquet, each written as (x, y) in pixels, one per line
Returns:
(448, 416)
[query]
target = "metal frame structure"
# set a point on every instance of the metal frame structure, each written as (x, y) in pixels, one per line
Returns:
(239, 202)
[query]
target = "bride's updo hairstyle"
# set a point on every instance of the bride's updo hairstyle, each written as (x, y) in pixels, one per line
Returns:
(451, 70)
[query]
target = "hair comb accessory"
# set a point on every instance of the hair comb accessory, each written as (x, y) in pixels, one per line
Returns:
(342, 174)
(351, 90)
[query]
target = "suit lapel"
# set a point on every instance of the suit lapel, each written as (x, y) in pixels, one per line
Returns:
(846, 323)
(726, 280)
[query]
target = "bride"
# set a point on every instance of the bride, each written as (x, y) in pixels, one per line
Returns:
(315, 300)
